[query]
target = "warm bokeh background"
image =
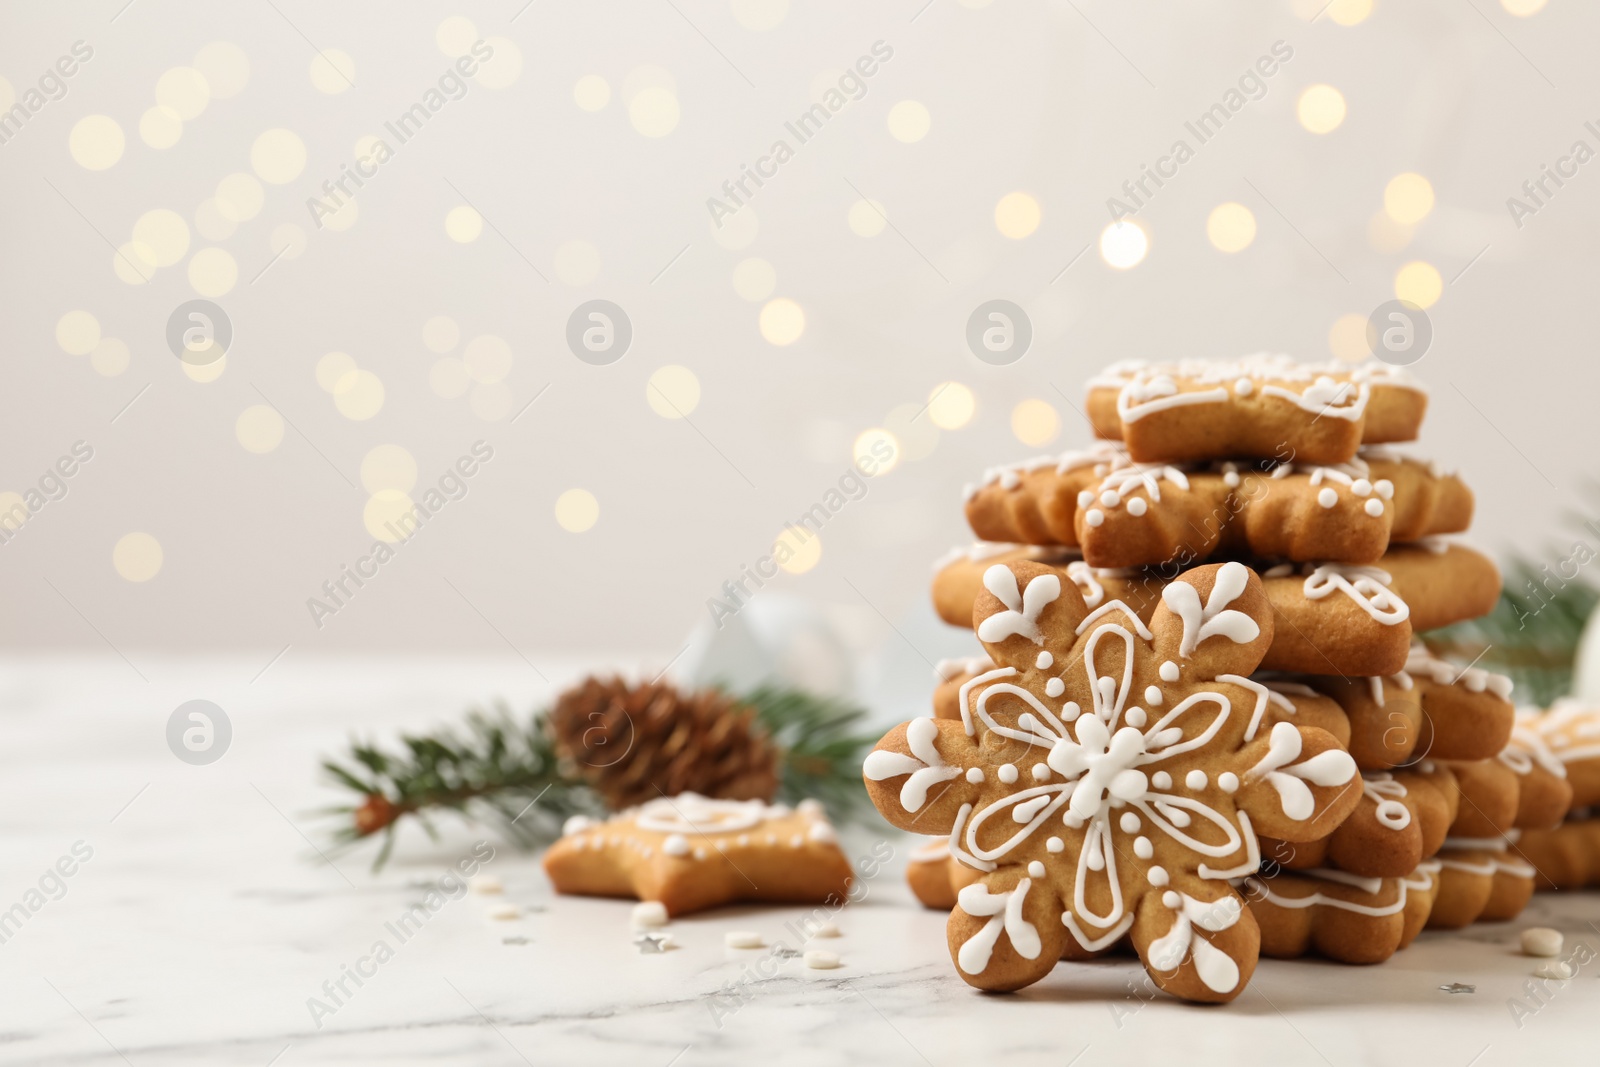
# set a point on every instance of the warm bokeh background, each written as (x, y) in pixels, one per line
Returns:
(577, 166)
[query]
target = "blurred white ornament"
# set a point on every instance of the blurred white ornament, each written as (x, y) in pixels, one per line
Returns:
(771, 638)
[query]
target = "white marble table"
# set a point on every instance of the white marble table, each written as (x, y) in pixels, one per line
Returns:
(204, 921)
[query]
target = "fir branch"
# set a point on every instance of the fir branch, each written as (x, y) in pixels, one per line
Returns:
(822, 750)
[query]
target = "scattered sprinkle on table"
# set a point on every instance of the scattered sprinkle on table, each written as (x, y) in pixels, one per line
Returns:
(1458, 987)
(1554, 969)
(518, 940)
(819, 960)
(487, 884)
(1541, 941)
(650, 944)
(784, 952)
(827, 930)
(649, 915)
(505, 912)
(742, 939)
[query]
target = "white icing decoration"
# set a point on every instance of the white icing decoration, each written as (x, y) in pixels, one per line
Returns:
(1083, 576)
(691, 813)
(1094, 517)
(1152, 695)
(1143, 848)
(823, 833)
(1129, 822)
(1134, 717)
(1228, 782)
(1169, 671)
(1036, 869)
(1244, 387)
(1022, 608)
(1055, 844)
(1327, 497)
(1473, 679)
(924, 765)
(1329, 768)
(1008, 773)
(1005, 916)
(1367, 586)
(1162, 780)
(1361, 487)
(1215, 618)
(1373, 507)
(1195, 779)
(975, 775)
(1137, 506)
(675, 845)
(1157, 876)
(1215, 968)
(577, 824)
(1044, 660)
(1261, 886)
(1040, 772)
(1382, 788)
(1055, 687)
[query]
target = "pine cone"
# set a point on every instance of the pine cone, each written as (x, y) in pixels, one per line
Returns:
(636, 743)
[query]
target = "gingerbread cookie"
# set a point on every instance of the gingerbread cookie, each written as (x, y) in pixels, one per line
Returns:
(1401, 821)
(1332, 618)
(1339, 915)
(1260, 407)
(1125, 514)
(1431, 708)
(1109, 778)
(1565, 857)
(936, 877)
(1571, 731)
(1480, 880)
(690, 852)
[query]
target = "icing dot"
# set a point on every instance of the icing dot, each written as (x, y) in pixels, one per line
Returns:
(975, 775)
(741, 939)
(810, 806)
(1054, 687)
(1055, 844)
(1086, 498)
(1227, 781)
(1361, 487)
(1143, 848)
(1327, 498)
(1157, 876)
(1072, 819)
(819, 960)
(1195, 779)
(1134, 717)
(1171, 899)
(1040, 772)
(1137, 506)
(1008, 773)
(1161, 780)
(1094, 517)
(1152, 695)
(823, 832)
(1110, 498)
(743, 840)
(1374, 507)
(1231, 479)
(1384, 487)
(1169, 671)
(699, 853)
(1129, 823)
(1244, 387)
(1069, 710)
(676, 845)
(796, 841)
(1044, 661)
(649, 915)
(1036, 869)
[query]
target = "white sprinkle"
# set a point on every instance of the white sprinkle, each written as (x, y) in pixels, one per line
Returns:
(1553, 969)
(1231, 479)
(827, 930)
(820, 960)
(649, 914)
(1035, 869)
(505, 912)
(742, 939)
(487, 884)
(1327, 497)
(1373, 507)
(1195, 779)
(1541, 941)
(1094, 516)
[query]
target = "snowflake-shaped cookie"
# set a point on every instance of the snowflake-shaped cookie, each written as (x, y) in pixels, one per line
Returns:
(1110, 780)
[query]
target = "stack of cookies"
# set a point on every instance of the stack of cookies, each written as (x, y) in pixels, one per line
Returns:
(1203, 727)
(1567, 736)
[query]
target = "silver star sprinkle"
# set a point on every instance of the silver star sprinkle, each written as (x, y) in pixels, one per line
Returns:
(515, 941)
(1458, 987)
(652, 943)
(785, 953)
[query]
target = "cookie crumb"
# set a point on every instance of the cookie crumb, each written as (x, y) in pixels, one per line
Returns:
(820, 960)
(487, 884)
(742, 939)
(1554, 969)
(1541, 941)
(649, 914)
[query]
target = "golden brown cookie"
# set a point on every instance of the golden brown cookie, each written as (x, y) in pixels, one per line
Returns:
(1572, 732)
(1331, 619)
(1110, 779)
(1339, 915)
(1565, 857)
(1480, 880)
(691, 853)
(1261, 407)
(936, 877)
(1125, 514)
(1401, 821)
